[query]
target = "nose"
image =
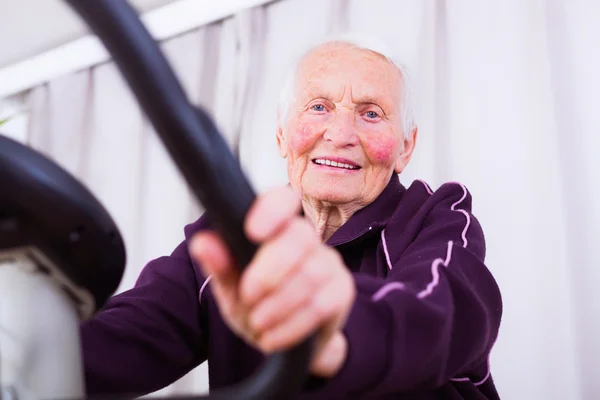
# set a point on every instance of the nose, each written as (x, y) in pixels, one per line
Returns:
(341, 131)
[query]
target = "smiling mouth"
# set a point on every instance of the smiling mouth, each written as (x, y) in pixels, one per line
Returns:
(335, 164)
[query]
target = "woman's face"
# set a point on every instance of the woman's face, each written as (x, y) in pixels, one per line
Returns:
(343, 138)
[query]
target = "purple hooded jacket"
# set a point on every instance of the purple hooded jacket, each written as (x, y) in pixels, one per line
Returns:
(425, 318)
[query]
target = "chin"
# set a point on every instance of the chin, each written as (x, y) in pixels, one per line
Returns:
(336, 194)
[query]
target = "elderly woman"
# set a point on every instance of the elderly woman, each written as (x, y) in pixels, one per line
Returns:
(392, 279)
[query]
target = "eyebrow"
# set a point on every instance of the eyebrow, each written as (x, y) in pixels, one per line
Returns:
(368, 100)
(361, 100)
(308, 95)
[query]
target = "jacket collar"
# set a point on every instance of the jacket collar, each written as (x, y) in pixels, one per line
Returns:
(371, 218)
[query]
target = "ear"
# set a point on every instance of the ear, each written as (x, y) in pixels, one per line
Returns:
(407, 151)
(281, 141)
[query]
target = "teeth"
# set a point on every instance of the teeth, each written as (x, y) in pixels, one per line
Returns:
(322, 161)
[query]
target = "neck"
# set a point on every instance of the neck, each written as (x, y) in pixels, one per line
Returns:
(327, 217)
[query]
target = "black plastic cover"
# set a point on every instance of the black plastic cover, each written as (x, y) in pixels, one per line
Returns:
(45, 207)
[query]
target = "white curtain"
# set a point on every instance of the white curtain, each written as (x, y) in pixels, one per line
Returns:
(507, 103)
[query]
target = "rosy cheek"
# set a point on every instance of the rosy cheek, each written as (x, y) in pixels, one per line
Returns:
(303, 138)
(381, 149)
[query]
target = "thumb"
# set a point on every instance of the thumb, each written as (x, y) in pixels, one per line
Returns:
(209, 251)
(329, 356)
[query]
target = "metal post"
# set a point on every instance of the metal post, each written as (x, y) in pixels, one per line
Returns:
(40, 356)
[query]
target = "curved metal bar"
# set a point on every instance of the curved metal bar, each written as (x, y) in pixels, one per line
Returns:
(202, 156)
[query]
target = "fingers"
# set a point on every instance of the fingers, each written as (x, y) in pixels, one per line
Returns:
(300, 323)
(276, 259)
(270, 213)
(310, 299)
(294, 294)
(297, 327)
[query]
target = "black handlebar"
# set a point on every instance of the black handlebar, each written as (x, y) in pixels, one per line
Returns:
(204, 159)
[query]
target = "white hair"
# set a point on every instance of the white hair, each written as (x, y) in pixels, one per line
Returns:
(362, 42)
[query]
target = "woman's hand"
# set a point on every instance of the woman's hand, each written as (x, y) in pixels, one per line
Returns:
(295, 285)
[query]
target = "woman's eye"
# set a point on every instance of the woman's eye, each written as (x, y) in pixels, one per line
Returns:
(372, 114)
(318, 107)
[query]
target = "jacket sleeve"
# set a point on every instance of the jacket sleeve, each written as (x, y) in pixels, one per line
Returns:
(147, 337)
(435, 316)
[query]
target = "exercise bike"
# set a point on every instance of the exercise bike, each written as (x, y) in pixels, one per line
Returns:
(62, 255)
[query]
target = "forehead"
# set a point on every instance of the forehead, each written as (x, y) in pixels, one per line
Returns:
(332, 69)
